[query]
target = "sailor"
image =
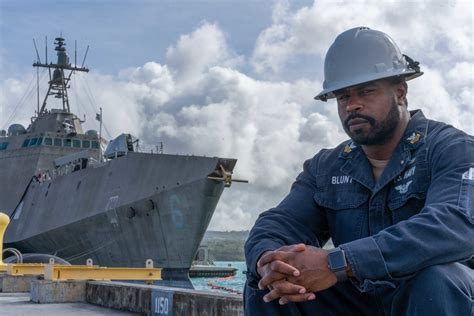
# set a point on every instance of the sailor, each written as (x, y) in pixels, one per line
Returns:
(397, 199)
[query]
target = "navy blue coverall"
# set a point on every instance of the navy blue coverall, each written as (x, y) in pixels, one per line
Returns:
(404, 235)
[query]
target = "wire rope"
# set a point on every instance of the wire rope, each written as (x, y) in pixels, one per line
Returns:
(26, 95)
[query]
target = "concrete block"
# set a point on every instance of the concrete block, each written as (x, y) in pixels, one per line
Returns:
(1, 280)
(197, 303)
(169, 301)
(21, 283)
(122, 296)
(47, 291)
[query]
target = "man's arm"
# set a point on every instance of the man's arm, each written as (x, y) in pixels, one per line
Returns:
(442, 232)
(297, 219)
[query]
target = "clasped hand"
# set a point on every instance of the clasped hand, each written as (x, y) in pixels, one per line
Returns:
(293, 273)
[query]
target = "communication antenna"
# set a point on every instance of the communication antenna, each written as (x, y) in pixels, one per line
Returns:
(75, 53)
(85, 55)
(75, 59)
(37, 78)
(100, 132)
(46, 49)
(36, 49)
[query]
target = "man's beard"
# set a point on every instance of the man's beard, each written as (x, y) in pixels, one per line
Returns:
(380, 132)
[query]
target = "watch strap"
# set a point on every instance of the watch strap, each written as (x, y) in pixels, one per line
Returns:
(341, 275)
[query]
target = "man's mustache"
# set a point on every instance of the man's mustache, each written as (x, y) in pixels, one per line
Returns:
(369, 119)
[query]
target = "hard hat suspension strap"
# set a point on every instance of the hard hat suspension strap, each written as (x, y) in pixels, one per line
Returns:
(412, 64)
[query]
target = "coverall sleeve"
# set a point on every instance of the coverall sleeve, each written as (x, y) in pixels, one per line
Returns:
(297, 219)
(442, 232)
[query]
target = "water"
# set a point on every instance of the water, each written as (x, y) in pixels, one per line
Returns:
(236, 283)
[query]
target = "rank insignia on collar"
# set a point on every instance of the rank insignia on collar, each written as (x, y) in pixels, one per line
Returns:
(414, 138)
(348, 148)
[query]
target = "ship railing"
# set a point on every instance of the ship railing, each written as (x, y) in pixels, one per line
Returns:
(43, 176)
(148, 148)
(80, 162)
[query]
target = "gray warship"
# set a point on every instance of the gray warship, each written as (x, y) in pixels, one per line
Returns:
(67, 199)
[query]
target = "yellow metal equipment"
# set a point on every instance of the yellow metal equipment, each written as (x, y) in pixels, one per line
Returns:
(4, 221)
(17, 269)
(61, 272)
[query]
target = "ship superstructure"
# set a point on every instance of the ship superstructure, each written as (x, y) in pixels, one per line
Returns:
(53, 133)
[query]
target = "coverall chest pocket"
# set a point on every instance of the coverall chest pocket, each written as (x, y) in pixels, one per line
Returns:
(407, 193)
(345, 204)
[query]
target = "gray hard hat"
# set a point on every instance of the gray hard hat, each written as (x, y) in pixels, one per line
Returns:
(361, 55)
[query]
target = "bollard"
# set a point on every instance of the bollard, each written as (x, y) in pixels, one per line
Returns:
(4, 221)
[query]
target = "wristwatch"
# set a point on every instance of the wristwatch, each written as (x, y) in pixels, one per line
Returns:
(337, 263)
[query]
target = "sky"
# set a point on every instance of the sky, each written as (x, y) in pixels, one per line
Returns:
(229, 78)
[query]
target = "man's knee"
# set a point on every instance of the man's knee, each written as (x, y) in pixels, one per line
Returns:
(437, 278)
(431, 278)
(439, 289)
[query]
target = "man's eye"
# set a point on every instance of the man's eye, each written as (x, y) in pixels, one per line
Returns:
(342, 97)
(366, 91)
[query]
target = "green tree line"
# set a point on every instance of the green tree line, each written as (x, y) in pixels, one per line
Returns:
(225, 246)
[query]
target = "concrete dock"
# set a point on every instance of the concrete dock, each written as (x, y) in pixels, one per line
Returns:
(110, 298)
(20, 304)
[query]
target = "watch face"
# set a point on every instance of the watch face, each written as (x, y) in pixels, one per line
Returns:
(337, 260)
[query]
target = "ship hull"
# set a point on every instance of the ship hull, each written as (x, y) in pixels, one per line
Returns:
(122, 217)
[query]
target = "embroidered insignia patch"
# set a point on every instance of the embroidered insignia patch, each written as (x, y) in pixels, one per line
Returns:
(348, 148)
(468, 175)
(403, 188)
(414, 138)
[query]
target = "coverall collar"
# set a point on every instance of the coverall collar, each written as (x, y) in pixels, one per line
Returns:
(358, 167)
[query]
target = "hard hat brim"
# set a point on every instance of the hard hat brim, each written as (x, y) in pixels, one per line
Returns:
(328, 93)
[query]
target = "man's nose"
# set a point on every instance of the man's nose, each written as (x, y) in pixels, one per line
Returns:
(354, 103)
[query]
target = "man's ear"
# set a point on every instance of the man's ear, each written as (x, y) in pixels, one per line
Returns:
(401, 90)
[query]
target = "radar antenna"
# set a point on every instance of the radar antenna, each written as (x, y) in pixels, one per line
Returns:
(58, 84)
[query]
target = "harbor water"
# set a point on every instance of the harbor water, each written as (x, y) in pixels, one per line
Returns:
(233, 284)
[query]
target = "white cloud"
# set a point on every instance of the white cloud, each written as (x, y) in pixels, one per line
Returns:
(231, 216)
(195, 52)
(15, 95)
(436, 103)
(311, 30)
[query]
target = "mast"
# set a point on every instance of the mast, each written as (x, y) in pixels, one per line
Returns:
(58, 84)
(100, 136)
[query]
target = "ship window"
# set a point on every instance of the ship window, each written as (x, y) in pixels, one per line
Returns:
(76, 143)
(40, 141)
(95, 144)
(33, 142)
(25, 142)
(86, 144)
(3, 146)
(67, 142)
(57, 142)
(48, 141)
